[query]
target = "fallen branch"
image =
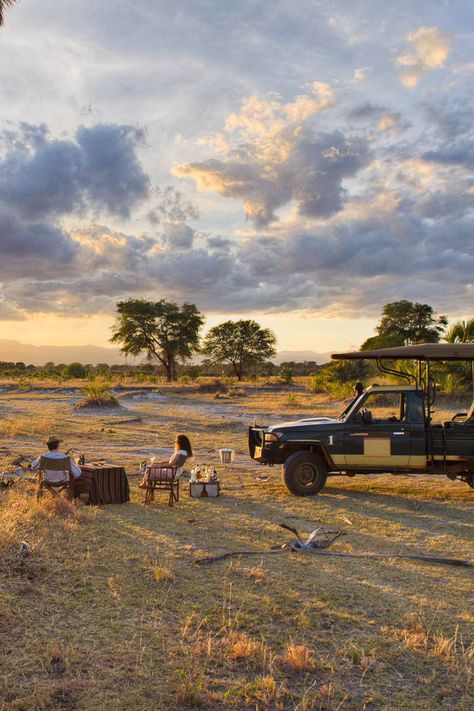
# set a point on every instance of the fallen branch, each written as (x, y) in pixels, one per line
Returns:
(296, 546)
(320, 539)
(230, 554)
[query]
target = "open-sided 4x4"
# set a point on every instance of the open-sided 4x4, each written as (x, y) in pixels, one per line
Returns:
(403, 438)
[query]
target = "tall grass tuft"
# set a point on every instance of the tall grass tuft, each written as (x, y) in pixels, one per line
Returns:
(97, 393)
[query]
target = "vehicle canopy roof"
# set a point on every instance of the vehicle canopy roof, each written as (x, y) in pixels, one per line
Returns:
(419, 351)
(394, 387)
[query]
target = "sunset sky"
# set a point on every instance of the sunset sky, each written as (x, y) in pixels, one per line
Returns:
(301, 162)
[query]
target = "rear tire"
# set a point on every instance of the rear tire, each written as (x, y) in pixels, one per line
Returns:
(304, 473)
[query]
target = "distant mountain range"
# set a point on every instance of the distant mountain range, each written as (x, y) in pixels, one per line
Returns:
(39, 355)
(301, 356)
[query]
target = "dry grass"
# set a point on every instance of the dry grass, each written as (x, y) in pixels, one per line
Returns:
(298, 658)
(243, 648)
(105, 609)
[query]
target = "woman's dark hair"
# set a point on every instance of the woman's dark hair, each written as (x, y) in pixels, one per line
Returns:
(52, 446)
(182, 442)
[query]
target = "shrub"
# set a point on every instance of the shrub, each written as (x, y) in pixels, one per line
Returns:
(74, 370)
(291, 400)
(338, 378)
(213, 386)
(285, 375)
(193, 372)
(317, 383)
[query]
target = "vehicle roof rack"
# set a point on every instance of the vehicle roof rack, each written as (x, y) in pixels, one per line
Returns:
(419, 351)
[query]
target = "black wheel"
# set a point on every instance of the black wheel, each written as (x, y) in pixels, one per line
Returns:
(304, 473)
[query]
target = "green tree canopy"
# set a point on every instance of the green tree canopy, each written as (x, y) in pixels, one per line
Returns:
(405, 322)
(161, 330)
(239, 343)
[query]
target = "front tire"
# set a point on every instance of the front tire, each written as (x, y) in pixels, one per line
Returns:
(304, 473)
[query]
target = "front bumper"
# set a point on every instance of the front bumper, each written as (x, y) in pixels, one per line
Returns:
(258, 451)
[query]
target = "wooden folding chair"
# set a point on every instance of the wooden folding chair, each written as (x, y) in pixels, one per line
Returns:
(54, 465)
(163, 479)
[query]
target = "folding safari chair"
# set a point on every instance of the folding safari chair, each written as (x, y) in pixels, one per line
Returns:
(163, 479)
(54, 465)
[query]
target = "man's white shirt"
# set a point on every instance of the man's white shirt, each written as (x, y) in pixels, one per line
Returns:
(53, 476)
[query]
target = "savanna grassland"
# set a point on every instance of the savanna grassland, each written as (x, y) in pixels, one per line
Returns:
(106, 608)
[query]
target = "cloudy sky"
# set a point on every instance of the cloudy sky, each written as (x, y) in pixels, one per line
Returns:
(302, 162)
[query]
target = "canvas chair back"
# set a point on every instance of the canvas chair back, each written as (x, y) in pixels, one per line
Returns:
(166, 478)
(55, 465)
(51, 464)
(180, 462)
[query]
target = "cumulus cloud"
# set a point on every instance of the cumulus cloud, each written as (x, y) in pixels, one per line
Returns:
(430, 49)
(266, 117)
(361, 73)
(173, 205)
(274, 157)
(178, 235)
(392, 123)
(171, 211)
(372, 218)
(43, 179)
(98, 171)
(365, 111)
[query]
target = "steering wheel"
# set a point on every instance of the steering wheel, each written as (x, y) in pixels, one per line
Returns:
(366, 416)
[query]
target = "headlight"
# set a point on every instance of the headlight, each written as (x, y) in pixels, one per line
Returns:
(270, 437)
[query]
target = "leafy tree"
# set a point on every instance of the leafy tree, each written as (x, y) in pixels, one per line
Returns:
(3, 6)
(460, 332)
(239, 343)
(74, 370)
(404, 322)
(381, 342)
(162, 330)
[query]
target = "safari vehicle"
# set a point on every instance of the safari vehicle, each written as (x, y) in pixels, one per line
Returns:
(386, 429)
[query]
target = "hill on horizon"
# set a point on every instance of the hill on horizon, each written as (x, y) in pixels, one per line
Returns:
(15, 351)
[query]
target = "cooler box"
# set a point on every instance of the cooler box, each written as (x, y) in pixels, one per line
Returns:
(204, 489)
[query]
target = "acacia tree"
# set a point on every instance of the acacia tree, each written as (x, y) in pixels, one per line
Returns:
(404, 322)
(3, 6)
(239, 343)
(162, 330)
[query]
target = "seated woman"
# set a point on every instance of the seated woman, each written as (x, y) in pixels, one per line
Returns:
(182, 452)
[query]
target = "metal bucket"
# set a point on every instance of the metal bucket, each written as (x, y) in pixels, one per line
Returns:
(226, 455)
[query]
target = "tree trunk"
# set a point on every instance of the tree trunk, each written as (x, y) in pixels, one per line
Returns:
(169, 372)
(174, 370)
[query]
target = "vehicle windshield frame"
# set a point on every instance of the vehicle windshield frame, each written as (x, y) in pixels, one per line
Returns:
(345, 414)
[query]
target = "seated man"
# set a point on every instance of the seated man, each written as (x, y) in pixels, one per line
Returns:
(53, 476)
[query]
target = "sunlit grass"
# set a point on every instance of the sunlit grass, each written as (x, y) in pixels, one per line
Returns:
(106, 609)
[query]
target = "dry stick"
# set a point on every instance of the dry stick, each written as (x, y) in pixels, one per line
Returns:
(213, 558)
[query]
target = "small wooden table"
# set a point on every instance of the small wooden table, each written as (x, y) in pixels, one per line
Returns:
(105, 484)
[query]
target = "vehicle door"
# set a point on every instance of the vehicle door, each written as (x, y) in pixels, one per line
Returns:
(377, 434)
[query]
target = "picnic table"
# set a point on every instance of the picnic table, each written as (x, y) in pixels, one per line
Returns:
(105, 484)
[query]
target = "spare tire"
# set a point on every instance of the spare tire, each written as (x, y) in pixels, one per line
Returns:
(304, 473)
